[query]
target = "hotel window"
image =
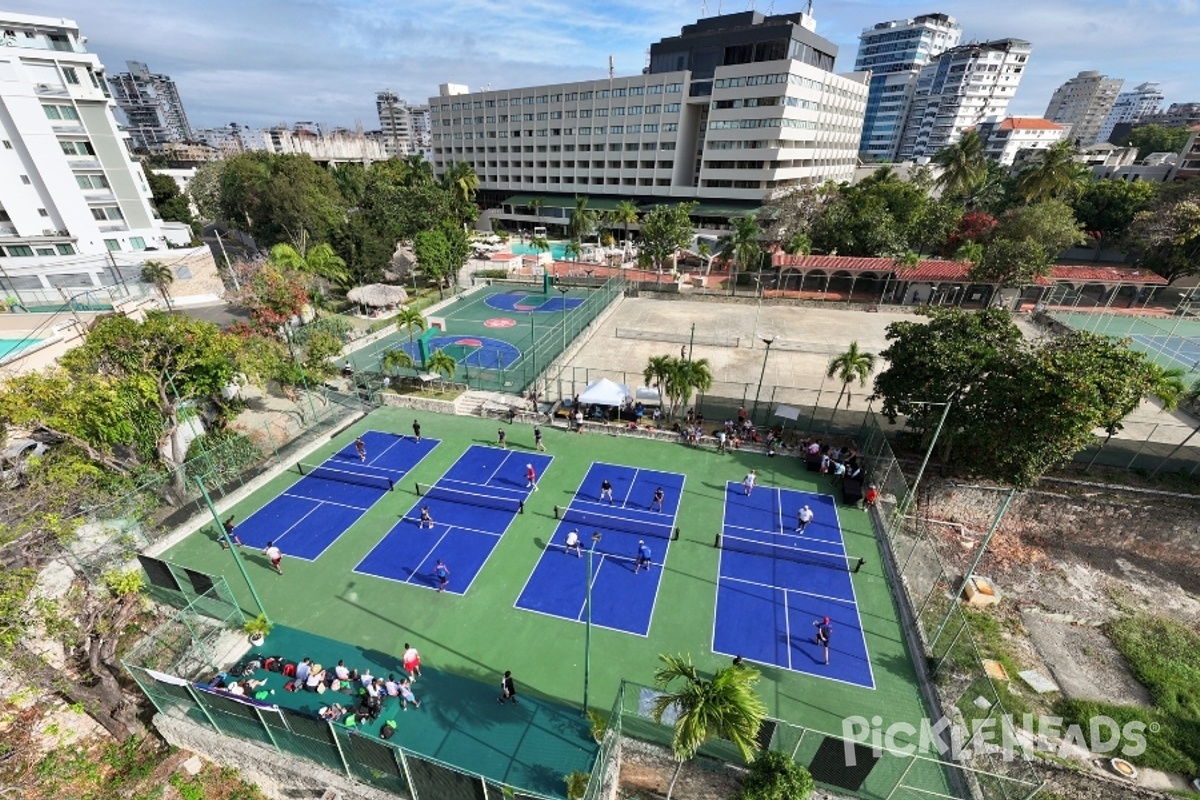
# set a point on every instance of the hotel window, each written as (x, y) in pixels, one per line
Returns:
(489, 104)
(476, 104)
(543, 98)
(502, 103)
(70, 75)
(45, 251)
(599, 130)
(585, 131)
(617, 129)
(656, 89)
(19, 251)
(528, 100)
(602, 94)
(634, 110)
(105, 213)
(619, 111)
(651, 128)
(633, 129)
(585, 95)
(137, 243)
(635, 91)
(572, 96)
(113, 245)
(43, 212)
(618, 92)
(65, 249)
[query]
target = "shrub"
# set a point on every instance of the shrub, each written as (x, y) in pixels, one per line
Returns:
(774, 776)
(221, 456)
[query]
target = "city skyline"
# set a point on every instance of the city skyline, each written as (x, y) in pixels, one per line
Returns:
(324, 60)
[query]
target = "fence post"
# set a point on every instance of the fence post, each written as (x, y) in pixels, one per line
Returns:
(403, 761)
(204, 711)
(1142, 446)
(337, 744)
(267, 728)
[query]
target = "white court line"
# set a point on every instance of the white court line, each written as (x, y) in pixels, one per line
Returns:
(475, 487)
(595, 577)
(787, 627)
(629, 491)
(830, 598)
(323, 502)
(857, 611)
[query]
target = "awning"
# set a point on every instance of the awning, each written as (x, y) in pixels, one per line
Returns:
(788, 412)
(563, 201)
(604, 393)
(713, 209)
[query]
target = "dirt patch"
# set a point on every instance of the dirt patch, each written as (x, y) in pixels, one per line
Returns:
(1083, 661)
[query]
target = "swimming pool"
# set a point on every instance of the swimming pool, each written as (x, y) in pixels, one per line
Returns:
(558, 250)
(9, 347)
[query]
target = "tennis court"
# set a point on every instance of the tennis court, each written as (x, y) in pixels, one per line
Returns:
(622, 599)
(472, 506)
(309, 516)
(776, 582)
(1169, 342)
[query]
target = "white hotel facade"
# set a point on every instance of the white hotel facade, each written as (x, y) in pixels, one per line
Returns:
(735, 109)
(74, 205)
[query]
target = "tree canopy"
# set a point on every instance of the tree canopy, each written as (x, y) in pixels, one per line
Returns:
(1156, 139)
(280, 198)
(665, 230)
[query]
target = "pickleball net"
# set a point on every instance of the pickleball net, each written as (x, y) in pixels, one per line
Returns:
(498, 502)
(591, 519)
(801, 555)
(373, 480)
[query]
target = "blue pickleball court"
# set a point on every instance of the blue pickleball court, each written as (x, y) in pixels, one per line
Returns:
(775, 582)
(622, 598)
(309, 516)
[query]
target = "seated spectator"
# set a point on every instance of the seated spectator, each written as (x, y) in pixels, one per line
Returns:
(366, 679)
(839, 470)
(303, 669)
(814, 448)
(871, 497)
(391, 686)
(340, 671)
(236, 688)
(314, 679)
(331, 713)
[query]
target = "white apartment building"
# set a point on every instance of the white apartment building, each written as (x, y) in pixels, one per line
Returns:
(1130, 107)
(1084, 103)
(71, 198)
(151, 106)
(734, 109)
(1005, 139)
(960, 89)
(894, 53)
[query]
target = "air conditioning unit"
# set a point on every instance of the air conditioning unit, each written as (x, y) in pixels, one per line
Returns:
(47, 232)
(62, 233)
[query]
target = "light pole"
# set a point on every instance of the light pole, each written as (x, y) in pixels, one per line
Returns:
(587, 641)
(768, 341)
(562, 290)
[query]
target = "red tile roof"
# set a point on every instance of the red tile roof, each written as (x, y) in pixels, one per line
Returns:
(937, 270)
(1028, 124)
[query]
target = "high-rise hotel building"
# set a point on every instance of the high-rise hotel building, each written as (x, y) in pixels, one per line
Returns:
(894, 53)
(732, 110)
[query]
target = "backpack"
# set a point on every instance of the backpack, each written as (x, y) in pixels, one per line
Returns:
(289, 670)
(290, 686)
(273, 664)
(388, 730)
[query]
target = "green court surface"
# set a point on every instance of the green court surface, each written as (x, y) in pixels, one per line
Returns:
(1167, 341)
(510, 328)
(479, 635)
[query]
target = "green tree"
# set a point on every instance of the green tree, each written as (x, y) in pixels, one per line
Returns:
(793, 212)
(433, 254)
(458, 248)
(1165, 237)
(161, 277)
(687, 375)
(741, 248)
(1025, 243)
(1108, 207)
(572, 251)
(1009, 262)
(416, 170)
(409, 319)
(320, 261)
(964, 165)
(852, 365)
(775, 776)
(1157, 139)
(625, 214)
(665, 230)
(540, 244)
(536, 204)
(395, 360)
(273, 295)
(582, 220)
(1053, 175)
(880, 216)
(171, 203)
(462, 183)
(657, 374)
(442, 364)
(351, 181)
(366, 252)
(726, 707)
(205, 189)
(280, 198)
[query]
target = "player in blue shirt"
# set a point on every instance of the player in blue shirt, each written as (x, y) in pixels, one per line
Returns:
(643, 558)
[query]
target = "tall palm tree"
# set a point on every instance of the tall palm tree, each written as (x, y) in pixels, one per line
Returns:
(417, 171)
(573, 250)
(394, 360)
(687, 376)
(540, 244)
(161, 276)
(725, 707)
(656, 374)
(582, 220)
(536, 204)
(1055, 175)
(852, 365)
(443, 365)
(706, 255)
(461, 180)
(741, 248)
(408, 319)
(964, 165)
(626, 214)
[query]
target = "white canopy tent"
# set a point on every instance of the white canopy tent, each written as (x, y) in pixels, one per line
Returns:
(788, 412)
(604, 393)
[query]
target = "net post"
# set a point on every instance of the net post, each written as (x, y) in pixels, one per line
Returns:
(391, 485)
(520, 506)
(299, 468)
(557, 512)
(675, 534)
(859, 565)
(417, 488)
(717, 542)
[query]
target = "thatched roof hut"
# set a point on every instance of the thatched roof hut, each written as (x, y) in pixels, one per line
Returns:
(378, 295)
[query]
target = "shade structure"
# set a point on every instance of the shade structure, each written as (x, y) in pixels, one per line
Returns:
(378, 295)
(788, 412)
(604, 393)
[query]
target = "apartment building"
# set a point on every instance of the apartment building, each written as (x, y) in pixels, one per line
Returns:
(958, 90)
(735, 108)
(1005, 139)
(1130, 107)
(894, 53)
(1083, 104)
(71, 198)
(151, 106)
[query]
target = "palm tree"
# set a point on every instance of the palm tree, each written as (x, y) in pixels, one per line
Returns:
(686, 376)
(536, 204)
(1055, 175)
(656, 374)
(582, 220)
(417, 171)
(706, 255)
(540, 244)
(408, 319)
(725, 707)
(461, 180)
(320, 260)
(394, 360)
(1164, 384)
(741, 248)
(625, 213)
(443, 365)
(964, 165)
(852, 365)
(573, 250)
(161, 276)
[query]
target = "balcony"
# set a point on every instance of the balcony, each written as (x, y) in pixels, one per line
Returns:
(50, 90)
(8, 230)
